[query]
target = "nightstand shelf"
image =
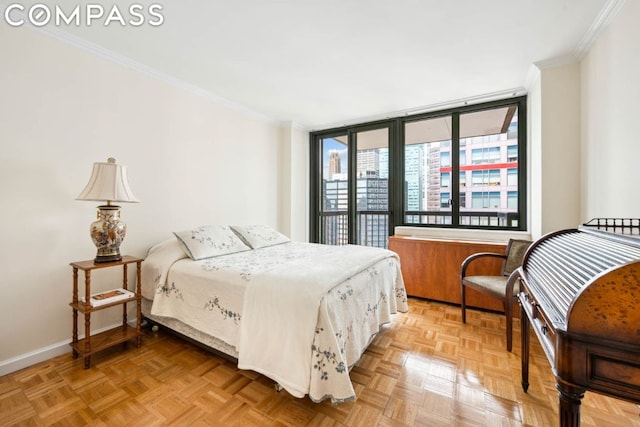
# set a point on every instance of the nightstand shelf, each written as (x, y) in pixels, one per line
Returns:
(105, 340)
(92, 344)
(84, 308)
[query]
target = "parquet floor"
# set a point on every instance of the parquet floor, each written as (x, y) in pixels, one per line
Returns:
(426, 369)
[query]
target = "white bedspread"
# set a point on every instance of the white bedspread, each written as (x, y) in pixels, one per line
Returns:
(306, 340)
(281, 312)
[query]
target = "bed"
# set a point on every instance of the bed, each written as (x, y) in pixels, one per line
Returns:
(299, 313)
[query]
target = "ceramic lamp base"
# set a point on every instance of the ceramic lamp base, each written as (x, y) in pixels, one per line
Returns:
(108, 233)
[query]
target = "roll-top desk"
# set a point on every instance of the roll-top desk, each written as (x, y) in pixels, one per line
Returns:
(580, 294)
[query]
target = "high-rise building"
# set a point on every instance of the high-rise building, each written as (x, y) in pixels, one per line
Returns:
(334, 163)
(372, 194)
(368, 163)
(383, 163)
(414, 176)
(373, 197)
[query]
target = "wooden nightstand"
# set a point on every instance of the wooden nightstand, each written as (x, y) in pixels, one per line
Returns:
(94, 343)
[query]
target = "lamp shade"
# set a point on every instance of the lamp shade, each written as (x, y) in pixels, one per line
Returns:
(108, 183)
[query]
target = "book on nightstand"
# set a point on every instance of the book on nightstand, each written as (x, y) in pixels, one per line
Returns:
(108, 297)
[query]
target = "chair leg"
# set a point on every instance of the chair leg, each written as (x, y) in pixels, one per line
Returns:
(463, 304)
(509, 301)
(508, 312)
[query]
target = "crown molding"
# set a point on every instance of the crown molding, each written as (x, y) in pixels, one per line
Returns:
(556, 62)
(293, 125)
(608, 12)
(139, 67)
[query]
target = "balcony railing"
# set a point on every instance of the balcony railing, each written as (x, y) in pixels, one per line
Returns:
(372, 228)
(334, 228)
(467, 218)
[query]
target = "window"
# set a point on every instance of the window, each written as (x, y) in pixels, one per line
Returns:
(459, 168)
(445, 158)
(427, 158)
(512, 200)
(485, 199)
(494, 140)
(445, 178)
(485, 177)
(485, 155)
(444, 200)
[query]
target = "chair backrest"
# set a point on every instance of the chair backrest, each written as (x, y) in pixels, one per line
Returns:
(515, 254)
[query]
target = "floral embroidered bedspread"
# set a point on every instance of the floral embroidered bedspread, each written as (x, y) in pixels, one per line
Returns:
(211, 295)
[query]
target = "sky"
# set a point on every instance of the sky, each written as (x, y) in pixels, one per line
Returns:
(330, 144)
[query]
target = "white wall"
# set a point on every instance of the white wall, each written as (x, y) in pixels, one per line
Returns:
(583, 132)
(534, 153)
(191, 161)
(294, 179)
(610, 131)
(554, 149)
(560, 173)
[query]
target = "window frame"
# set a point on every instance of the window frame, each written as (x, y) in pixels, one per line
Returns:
(397, 212)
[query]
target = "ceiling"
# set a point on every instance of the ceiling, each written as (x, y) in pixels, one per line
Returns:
(324, 63)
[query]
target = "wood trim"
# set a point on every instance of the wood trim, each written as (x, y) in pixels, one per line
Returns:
(431, 268)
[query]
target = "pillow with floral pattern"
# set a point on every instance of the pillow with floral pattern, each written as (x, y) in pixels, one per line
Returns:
(210, 241)
(259, 236)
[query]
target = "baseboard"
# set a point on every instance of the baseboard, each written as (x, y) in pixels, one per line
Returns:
(40, 355)
(28, 359)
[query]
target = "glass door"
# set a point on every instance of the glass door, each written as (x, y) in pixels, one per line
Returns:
(334, 194)
(372, 187)
(354, 191)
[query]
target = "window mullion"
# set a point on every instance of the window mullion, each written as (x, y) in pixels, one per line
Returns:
(396, 174)
(455, 169)
(352, 159)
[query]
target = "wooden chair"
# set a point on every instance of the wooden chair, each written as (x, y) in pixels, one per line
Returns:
(502, 287)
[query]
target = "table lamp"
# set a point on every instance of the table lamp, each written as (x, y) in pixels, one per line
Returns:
(108, 183)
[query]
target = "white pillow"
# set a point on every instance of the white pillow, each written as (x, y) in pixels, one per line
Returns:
(210, 241)
(259, 236)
